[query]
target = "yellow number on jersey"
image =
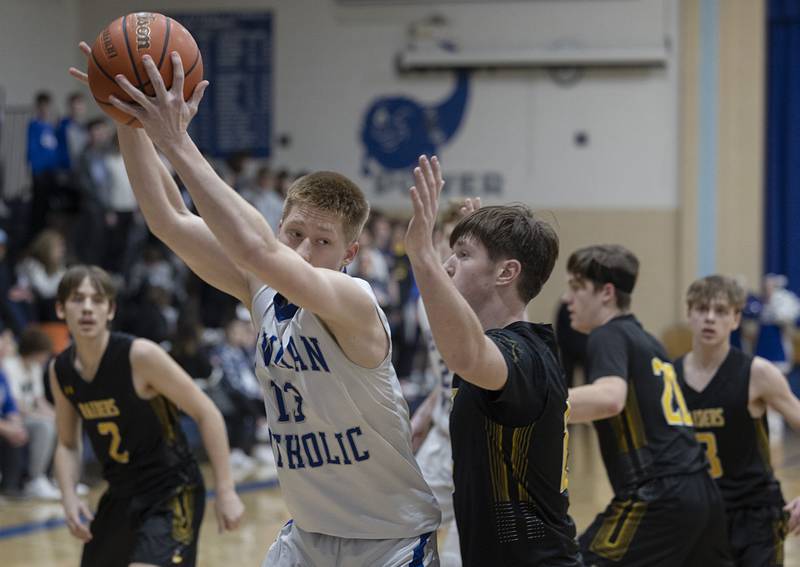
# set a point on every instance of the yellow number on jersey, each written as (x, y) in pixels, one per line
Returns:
(672, 402)
(710, 441)
(110, 428)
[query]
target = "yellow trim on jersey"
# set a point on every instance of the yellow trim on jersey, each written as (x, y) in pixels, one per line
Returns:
(182, 505)
(633, 415)
(614, 537)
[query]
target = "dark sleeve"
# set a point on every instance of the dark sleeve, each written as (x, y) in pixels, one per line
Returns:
(607, 353)
(522, 399)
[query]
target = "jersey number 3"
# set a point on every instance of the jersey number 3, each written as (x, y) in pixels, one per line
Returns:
(297, 412)
(672, 402)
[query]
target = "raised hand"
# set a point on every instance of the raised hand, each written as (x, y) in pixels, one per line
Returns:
(425, 200)
(165, 116)
(77, 73)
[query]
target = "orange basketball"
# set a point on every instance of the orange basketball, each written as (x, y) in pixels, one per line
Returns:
(119, 49)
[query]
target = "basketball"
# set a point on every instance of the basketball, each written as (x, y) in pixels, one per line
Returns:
(119, 49)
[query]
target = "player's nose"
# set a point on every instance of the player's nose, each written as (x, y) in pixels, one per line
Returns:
(304, 249)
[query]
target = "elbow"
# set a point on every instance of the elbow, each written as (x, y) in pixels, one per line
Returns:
(614, 405)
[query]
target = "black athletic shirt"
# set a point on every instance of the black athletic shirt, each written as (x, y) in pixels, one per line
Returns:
(509, 458)
(139, 443)
(736, 444)
(653, 435)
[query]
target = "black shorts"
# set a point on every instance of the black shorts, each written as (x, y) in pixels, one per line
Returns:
(667, 522)
(163, 533)
(757, 535)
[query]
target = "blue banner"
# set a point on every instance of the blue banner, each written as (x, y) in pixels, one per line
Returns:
(236, 112)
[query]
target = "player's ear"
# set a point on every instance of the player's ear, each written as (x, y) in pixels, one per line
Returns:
(60, 311)
(112, 310)
(737, 319)
(350, 253)
(509, 272)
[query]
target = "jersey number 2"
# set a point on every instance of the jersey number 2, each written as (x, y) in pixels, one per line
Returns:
(672, 402)
(110, 428)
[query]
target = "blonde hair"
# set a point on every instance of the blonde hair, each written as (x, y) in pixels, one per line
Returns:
(709, 288)
(334, 193)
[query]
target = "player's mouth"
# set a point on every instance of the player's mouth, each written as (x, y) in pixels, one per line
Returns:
(83, 323)
(709, 333)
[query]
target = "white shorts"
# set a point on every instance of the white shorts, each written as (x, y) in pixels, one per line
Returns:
(295, 547)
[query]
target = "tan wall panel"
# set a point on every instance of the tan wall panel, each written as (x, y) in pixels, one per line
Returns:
(649, 234)
(741, 138)
(688, 139)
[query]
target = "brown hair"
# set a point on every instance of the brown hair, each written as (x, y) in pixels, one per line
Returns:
(331, 192)
(607, 263)
(709, 288)
(514, 232)
(33, 340)
(74, 277)
(42, 246)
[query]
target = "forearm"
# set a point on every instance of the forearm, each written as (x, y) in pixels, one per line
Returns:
(422, 417)
(240, 228)
(156, 193)
(456, 330)
(67, 469)
(215, 441)
(591, 403)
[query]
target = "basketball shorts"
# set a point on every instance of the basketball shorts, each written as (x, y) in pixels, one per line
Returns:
(757, 535)
(163, 533)
(295, 547)
(666, 522)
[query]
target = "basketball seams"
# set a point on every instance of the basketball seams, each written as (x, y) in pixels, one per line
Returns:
(130, 53)
(100, 67)
(196, 60)
(166, 42)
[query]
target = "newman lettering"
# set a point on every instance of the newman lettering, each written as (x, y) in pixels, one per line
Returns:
(290, 357)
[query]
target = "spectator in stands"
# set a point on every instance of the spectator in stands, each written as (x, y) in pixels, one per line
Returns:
(241, 388)
(13, 436)
(16, 301)
(24, 371)
(95, 186)
(71, 133)
(43, 158)
(120, 213)
(264, 197)
(42, 269)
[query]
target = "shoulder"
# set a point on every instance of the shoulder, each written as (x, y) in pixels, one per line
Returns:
(145, 351)
(518, 342)
(611, 332)
(764, 373)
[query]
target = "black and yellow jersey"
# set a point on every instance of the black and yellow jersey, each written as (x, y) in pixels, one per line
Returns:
(138, 442)
(736, 443)
(653, 436)
(509, 458)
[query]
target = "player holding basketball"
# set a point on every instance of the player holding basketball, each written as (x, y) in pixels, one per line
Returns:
(339, 424)
(508, 423)
(728, 392)
(127, 392)
(666, 510)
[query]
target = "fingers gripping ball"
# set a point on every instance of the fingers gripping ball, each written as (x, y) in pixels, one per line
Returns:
(119, 49)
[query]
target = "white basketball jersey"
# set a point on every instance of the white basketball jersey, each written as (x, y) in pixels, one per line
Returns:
(340, 432)
(441, 412)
